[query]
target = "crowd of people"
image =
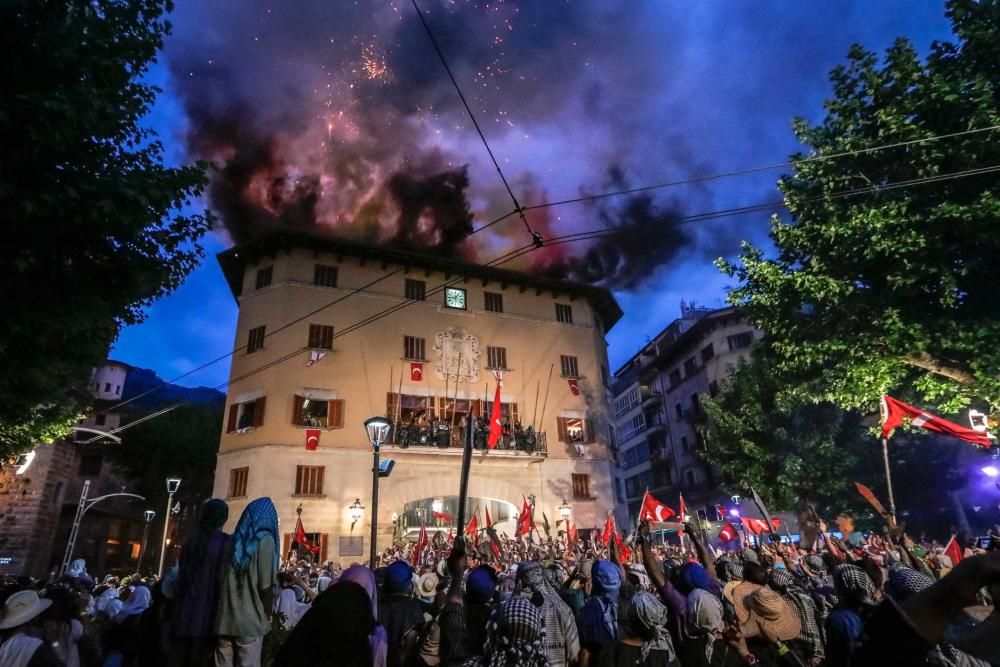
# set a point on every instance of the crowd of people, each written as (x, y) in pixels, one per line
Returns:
(232, 600)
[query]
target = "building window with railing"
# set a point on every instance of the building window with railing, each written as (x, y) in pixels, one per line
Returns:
(636, 485)
(628, 401)
(320, 337)
(324, 275)
(569, 366)
(636, 455)
(632, 428)
(238, 482)
(317, 413)
(496, 358)
(309, 480)
(414, 347)
(564, 313)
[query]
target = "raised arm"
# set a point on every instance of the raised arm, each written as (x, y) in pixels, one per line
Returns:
(699, 548)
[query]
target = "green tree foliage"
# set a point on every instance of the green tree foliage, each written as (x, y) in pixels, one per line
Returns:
(181, 443)
(790, 451)
(897, 289)
(93, 223)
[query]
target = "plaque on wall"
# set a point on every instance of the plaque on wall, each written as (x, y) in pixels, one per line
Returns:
(457, 356)
(352, 546)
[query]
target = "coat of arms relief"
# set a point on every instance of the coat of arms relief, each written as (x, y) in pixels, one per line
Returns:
(457, 355)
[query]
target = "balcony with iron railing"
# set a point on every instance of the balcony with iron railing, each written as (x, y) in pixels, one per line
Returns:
(444, 438)
(650, 398)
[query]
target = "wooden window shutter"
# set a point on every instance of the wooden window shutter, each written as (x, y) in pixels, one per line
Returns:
(563, 431)
(286, 544)
(258, 411)
(298, 403)
(335, 413)
(588, 430)
(323, 540)
(514, 417)
(231, 423)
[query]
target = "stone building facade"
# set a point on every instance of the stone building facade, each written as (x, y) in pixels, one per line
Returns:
(333, 332)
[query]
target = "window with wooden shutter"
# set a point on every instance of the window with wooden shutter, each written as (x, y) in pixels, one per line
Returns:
(335, 413)
(264, 277)
(493, 302)
(324, 275)
(238, 482)
(255, 339)
(581, 486)
(569, 365)
(415, 289)
(320, 337)
(574, 429)
(309, 480)
(564, 313)
(496, 358)
(258, 411)
(234, 411)
(561, 427)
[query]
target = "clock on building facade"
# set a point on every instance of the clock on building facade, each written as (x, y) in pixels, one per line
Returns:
(454, 297)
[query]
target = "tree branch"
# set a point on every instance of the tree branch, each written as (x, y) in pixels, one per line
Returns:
(926, 362)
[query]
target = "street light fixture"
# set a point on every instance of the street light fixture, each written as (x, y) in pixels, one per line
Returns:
(148, 517)
(173, 483)
(357, 511)
(377, 430)
(437, 505)
(565, 510)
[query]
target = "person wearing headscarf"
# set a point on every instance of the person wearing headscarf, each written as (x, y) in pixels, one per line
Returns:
(121, 639)
(515, 637)
(598, 620)
(809, 643)
(644, 637)
(562, 641)
(246, 593)
(379, 640)
(399, 612)
(196, 593)
(335, 632)
(855, 601)
(291, 602)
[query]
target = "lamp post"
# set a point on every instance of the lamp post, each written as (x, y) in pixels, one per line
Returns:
(565, 510)
(148, 516)
(173, 483)
(377, 429)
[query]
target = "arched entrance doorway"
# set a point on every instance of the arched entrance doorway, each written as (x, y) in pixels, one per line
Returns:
(440, 514)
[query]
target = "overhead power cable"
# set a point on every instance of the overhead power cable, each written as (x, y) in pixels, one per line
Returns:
(584, 236)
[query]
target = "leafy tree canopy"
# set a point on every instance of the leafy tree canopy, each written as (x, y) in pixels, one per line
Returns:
(93, 223)
(895, 289)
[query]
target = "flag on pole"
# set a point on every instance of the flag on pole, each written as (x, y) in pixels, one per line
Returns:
(524, 523)
(609, 529)
(444, 516)
(421, 544)
(302, 540)
(893, 413)
(653, 510)
(491, 531)
(496, 427)
(755, 526)
(682, 508)
(574, 387)
(473, 527)
(312, 439)
(953, 551)
(728, 533)
(775, 523)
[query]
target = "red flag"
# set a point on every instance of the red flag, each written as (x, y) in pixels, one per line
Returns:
(302, 540)
(623, 551)
(775, 523)
(312, 439)
(894, 411)
(683, 508)
(444, 516)
(494, 538)
(953, 551)
(570, 532)
(574, 387)
(416, 371)
(473, 527)
(653, 510)
(755, 526)
(609, 529)
(489, 521)
(728, 533)
(420, 546)
(524, 524)
(496, 428)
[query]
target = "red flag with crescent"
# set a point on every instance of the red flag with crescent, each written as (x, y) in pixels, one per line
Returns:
(654, 510)
(416, 371)
(312, 439)
(728, 533)
(496, 427)
(574, 387)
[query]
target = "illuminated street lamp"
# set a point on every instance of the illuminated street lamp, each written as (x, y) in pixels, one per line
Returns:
(377, 430)
(173, 483)
(357, 511)
(437, 505)
(565, 510)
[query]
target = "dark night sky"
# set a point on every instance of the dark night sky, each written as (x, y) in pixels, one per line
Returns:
(338, 98)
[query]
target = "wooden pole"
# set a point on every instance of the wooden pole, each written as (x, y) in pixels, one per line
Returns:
(534, 415)
(454, 404)
(888, 478)
(545, 403)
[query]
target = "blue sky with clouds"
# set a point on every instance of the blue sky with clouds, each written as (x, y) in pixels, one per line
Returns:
(669, 90)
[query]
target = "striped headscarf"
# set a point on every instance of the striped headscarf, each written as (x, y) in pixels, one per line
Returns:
(516, 636)
(259, 520)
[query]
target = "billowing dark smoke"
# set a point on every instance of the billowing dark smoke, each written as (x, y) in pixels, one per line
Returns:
(433, 211)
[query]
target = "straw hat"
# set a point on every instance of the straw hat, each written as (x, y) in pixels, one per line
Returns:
(20, 608)
(771, 615)
(427, 585)
(738, 592)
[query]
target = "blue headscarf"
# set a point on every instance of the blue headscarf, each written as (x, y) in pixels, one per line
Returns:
(693, 576)
(259, 520)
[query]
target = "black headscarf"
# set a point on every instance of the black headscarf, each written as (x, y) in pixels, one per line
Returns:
(334, 632)
(212, 517)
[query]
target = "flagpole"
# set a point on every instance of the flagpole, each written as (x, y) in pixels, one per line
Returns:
(463, 487)
(888, 477)
(545, 403)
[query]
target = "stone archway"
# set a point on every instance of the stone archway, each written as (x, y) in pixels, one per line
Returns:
(430, 486)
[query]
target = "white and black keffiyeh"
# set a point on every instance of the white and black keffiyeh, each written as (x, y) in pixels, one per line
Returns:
(515, 636)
